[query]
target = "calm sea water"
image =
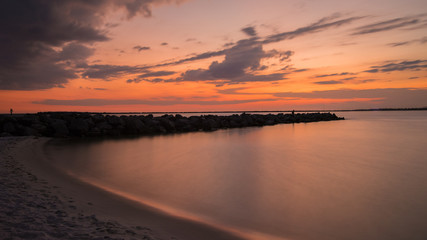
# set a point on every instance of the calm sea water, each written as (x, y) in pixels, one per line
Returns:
(362, 178)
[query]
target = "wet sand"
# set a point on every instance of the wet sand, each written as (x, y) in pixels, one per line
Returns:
(39, 202)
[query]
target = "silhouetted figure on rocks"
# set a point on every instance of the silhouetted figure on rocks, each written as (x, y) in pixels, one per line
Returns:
(293, 112)
(11, 111)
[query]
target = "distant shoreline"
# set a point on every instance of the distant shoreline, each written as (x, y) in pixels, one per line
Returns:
(236, 111)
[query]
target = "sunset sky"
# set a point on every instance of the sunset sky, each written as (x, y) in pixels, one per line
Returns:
(212, 55)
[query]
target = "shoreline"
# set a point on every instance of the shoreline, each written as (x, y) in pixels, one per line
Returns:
(38, 201)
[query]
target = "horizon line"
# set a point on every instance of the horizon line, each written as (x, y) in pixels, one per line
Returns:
(236, 111)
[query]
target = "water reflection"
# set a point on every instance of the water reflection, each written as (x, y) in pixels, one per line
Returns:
(363, 178)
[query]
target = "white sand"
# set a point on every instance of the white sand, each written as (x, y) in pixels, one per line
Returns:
(39, 202)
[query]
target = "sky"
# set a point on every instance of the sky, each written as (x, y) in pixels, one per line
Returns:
(212, 55)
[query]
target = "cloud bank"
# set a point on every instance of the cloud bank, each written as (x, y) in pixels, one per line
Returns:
(32, 31)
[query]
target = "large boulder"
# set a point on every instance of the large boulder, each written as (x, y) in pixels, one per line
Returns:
(9, 127)
(79, 127)
(134, 126)
(60, 128)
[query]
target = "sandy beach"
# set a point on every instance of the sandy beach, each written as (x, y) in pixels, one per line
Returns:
(39, 202)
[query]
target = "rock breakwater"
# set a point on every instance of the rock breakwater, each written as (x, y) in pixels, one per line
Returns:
(73, 124)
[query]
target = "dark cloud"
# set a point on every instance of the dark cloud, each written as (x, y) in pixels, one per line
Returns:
(75, 52)
(301, 70)
(37, 36)
(157, 74)
(348, 79)
(108, 72)
(148, 77)
(250, 31)
(196, 57)
(389, 25)
(234, 91)
(164, 44)
(238, 66)
(334, 74)
(398, 44)
(100, 89)
(321, 25)
(366, 80)
(162, 102)
(243, 58)
(141, 48)
(404, 43)
(415, 65)
(331, 82)
(245, 54)
(226, 45)
(291, 69)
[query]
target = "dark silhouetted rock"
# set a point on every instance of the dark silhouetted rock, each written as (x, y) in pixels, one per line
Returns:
(79, 127)
(57, 124)
(9, 127)
(60, 128)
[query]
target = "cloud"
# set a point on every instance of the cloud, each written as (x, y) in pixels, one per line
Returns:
(147, 77)
(164, 44)
(404, 43)
(75, 52)
(329, 82)
(34, 32)
(250, 31)
(321, 25)
(301, 70)
(238, 66)
(141, 48)
(108, 72)
(334, 74)
(246, 54)
(161, 102)
(348, 79)
(388, 25)
(196, 57)
(415, 65)
(157, 74)
(234, 91)
(243, 58)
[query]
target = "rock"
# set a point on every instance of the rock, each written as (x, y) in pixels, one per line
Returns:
(39, 127)
(104, 126)
(134, 126)
(60, 128)
(9, 127)
(67, 124)
(114, 120)
(79, 127)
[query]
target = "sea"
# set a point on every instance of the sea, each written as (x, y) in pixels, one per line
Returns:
(360, 178)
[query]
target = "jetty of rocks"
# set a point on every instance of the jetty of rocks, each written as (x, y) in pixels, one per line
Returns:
(74, 124)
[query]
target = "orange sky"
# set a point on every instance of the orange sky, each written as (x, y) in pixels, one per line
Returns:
(202, 55)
